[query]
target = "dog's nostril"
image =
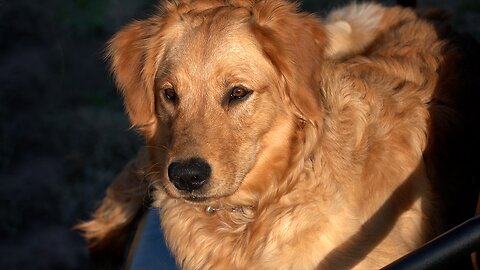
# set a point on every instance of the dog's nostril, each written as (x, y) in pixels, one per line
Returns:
(189, 175)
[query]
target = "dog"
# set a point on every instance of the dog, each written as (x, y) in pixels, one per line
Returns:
(276, 140)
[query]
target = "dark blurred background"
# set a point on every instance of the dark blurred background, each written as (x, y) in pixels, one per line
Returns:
(63, 132)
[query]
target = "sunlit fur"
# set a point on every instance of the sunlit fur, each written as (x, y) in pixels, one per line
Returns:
(328, 149)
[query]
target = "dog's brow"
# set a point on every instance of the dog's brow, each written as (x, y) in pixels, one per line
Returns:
(163, 71)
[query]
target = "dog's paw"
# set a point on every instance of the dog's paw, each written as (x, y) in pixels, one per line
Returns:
(352, 28)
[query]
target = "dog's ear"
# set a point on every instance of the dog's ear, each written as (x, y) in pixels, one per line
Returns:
(295, 43)
(127, 52)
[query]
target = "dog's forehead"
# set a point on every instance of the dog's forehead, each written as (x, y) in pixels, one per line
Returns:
(213, 47)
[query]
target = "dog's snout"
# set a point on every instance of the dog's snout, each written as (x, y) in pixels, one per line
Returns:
(189, 175)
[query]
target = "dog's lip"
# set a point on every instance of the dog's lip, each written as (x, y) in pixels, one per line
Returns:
(196, 199)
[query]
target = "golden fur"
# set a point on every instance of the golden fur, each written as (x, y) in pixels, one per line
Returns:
(323, 162)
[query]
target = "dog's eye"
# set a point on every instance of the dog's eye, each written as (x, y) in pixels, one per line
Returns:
(239, 92)
(170, 94)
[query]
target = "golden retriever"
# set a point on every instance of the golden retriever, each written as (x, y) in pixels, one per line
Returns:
(276, 140)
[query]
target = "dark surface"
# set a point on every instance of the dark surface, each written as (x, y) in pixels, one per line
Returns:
(461, 240)
(63, 132)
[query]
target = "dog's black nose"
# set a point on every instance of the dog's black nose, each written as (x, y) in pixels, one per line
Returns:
(189, 175)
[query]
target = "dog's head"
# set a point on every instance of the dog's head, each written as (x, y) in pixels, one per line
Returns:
(218, 87)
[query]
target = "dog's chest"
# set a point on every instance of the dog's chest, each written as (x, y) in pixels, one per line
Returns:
(277, 238)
